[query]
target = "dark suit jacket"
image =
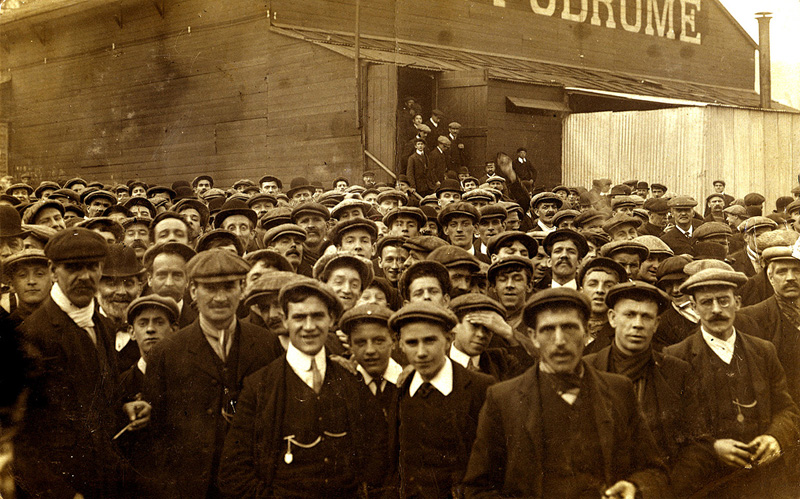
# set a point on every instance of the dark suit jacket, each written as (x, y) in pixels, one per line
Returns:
(672, 328)
(188, 314)
(255, 441)
(186, 390)
(418, 174)
(437, 165)
(677, 241)
(525, 170)
(507, 455)
(756, 289)
(457, 154)
(469, 393)
(649, 229)
(742, 262)
(677, 401)
(74, 409)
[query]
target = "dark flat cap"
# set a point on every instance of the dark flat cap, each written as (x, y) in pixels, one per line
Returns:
(753, 199)
(275, 217)
(508, 262)
(198, 178)
(424, 244)
(548, 197)
(368, 312)
(271, 258)
(193, 204)
(268, 283)
(76, 244)
(562, 215)
(587, 216)
(672, 269)
(391, 241)
(216, 265)
(101, 194)
(619, 220)
(407, 211)
(711, 229)
(160, 189)
(19, 185)
(121, 261)
(656, 205)
(330, 199)
(270, 178)
(595, 237)
(216, 237)
(329, 262)
(423, 312)
(44, 185)
(282, 230)
(262, 197)
(614, 247)
(555, 297)
(682, 202)
(477, 195)
(32, 211)
(424, 268)
(164, 303)
(661, 187)
(345, 226)
(491, 211)
(458, 209)
(452, 256)
(66, 194)
(713, 277)
(620, 190)
(741, 211)
(471, 302)
(347, 203)
(310, 208)
(714, 195)
(622, 201)
(638, 290)
(140, 201)
(303, 287)
(392, 194)
(73, 181)
(506, 238)
(604, 263)
(563, 235)
(186, 252)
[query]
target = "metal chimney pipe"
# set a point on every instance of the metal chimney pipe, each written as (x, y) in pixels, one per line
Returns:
(764, 63)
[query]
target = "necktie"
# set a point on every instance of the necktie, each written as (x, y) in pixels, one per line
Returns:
(316, 377)
(425, 389)
(378, 382)
(472, 367)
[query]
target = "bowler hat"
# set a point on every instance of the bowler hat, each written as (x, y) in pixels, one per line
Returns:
(235, 207)
(299, 184)
(121, 261)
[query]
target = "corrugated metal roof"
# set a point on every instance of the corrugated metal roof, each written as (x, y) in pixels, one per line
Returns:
(508, 68)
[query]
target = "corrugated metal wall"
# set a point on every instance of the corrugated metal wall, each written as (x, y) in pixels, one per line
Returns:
(686, 149)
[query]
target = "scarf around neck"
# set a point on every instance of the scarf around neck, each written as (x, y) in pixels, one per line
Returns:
(633, 366)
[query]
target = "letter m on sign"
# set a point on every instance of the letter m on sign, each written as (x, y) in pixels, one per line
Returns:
(663, 18)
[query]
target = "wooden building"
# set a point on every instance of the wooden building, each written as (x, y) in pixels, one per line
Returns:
(161, 90)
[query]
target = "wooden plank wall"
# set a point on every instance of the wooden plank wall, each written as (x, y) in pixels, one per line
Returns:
(462, 97)
(724, 57)
(539, 134)
(119, 93)
(380, 122)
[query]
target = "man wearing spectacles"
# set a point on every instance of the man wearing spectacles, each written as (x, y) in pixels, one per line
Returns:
(194, 377)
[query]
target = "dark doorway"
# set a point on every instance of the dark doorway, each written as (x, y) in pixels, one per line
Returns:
(419, 84)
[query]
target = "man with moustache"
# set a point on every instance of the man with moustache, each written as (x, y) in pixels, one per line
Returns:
(195, 376)
(305, 427)
(565, 249)
(544, 206)
(121, 282)
(288, 239)
(261, 298)
(66, 447)
(679, 237)
(563, 429)
(391, 256)
(746, 409)
(165, 264)
(313, 218)
(202, 183)
(30, 281)
(137, 235)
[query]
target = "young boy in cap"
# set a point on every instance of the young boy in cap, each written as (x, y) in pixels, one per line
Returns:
(595, 279)
(426, 281)
(391, 256)
(306, 427)
(458, 223)
(510, 279)
(194, 377)
(357, 235)
(371, 342)
(541, 434)
(29, 277)
(437, 408)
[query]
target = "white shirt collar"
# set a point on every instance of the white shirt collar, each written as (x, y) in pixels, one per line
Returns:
(421, 153)
(180, 306)
(301, 363)
(142, 365)
(122, 339)
(569, 284)
(463, 359)
(722, 348)
(391, 373)
(687, 233)
(544, 227)
(443, 381)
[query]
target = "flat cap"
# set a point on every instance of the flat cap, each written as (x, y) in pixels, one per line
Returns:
(620, 190)
(329, 262)
(302, 287)
(140, 201)
(347, 203)
(407, 211)
(458, 209)
(219, 236)
(443, 140)
(753, 199)
(368, 312)
(672, 269)
(619, 220)
(741, 211)
(478, 195)
(282, 230)
(604, 263)
(497, 178)
(192, 204)
(454, 124)
(654, 245)
(186, 252)
(270, 178)
(76, 244)
(101, 194)
(430, 199)
(452, 256)
(506, 238)
(471, 302)
(20, 185)
(782, 237)
(32, 211)
(217, 265)
(562, 215)
(559, 188)
(198, 178)
(424, 244)
(508, 262)
(392, 194)
(276, 216)
(425, 312)
(491, 211)
(711, 229)
(262, 197)
(595, 237)
(555, 297)
(754, 223)
(329, 199)
(391, 241)
(778, 253)
(164, 303)
(121, 261)
(73, 181)
(566, 234)
(614, 247)
(546, 197)
(622, 201)
(638, 290)
(588, 216)
(713, 277)
(28, 255)
(682, 202)
(656, 205)
(699, 264)
(268, 283)
(424, 268)
(345, 226)
(714, 195)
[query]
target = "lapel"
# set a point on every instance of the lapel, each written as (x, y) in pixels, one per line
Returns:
(248, 351)
(530, 401)
(203, 356)
(601, 405)
(661, 385)
(761, 388)
(601, 361)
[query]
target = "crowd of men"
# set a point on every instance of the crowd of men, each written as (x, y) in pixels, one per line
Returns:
(486, 339)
